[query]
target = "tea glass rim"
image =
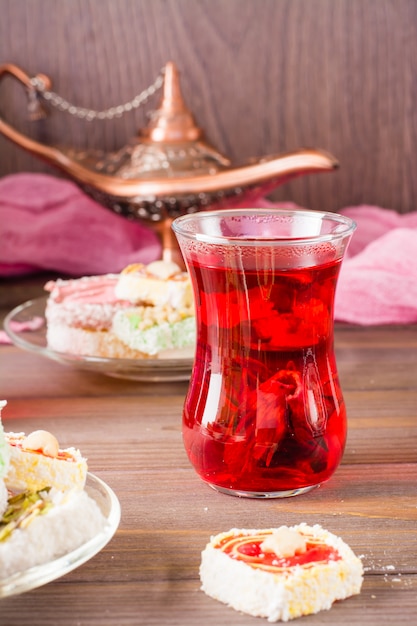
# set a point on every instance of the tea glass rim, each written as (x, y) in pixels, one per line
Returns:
(248, 240)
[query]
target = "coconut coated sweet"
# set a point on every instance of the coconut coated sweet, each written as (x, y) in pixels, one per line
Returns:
(237, 570)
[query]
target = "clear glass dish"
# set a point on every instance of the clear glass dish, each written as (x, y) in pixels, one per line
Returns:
(46, 572)
(149, 370)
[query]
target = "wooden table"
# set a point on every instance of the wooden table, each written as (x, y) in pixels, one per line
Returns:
(131, 434)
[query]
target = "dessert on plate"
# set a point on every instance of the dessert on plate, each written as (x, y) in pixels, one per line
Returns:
(40, 518)
(160, 321)
(146, 311)
(280, 573)
(79, 314)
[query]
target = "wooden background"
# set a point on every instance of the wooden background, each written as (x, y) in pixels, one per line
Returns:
(261, 76)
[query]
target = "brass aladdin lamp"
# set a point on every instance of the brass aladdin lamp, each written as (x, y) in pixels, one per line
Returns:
(169, 169)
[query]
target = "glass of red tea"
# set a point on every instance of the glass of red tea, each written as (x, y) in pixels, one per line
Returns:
(264, 416)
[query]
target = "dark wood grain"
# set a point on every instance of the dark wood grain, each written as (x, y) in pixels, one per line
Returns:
(134, 603)
(261, 76)
(131, 433)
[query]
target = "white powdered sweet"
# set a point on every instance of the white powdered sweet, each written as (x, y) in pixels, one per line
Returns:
(71, 521)
(46, 512)
(30, 470)
(160, 283)
(279, 589)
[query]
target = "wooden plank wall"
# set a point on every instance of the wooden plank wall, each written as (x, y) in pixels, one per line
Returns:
(261, 76)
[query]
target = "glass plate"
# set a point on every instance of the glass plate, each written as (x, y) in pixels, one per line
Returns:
(150, 370)
(46, 572)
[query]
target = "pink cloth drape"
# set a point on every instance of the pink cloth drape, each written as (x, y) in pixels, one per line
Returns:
(49, 224)
(378, 279)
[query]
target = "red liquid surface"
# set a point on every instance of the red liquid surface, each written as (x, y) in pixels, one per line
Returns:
(264, 411)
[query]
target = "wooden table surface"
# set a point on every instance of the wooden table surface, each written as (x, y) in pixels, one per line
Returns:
(131, 434)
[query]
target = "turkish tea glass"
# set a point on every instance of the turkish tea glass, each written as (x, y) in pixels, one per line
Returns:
(264, 416)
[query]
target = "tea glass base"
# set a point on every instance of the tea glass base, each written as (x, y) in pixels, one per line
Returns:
(288, 493)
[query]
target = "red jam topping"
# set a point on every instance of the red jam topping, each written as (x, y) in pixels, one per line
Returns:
(247, 548)
(17, 442)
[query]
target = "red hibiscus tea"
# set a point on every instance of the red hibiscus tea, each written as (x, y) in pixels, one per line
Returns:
(264, 415)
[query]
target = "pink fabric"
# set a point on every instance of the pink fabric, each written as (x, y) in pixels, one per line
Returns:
(49, 224)
(374, 222)
(378, 279)
(19, 327)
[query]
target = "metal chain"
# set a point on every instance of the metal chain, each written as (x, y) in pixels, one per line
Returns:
(89, 114)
